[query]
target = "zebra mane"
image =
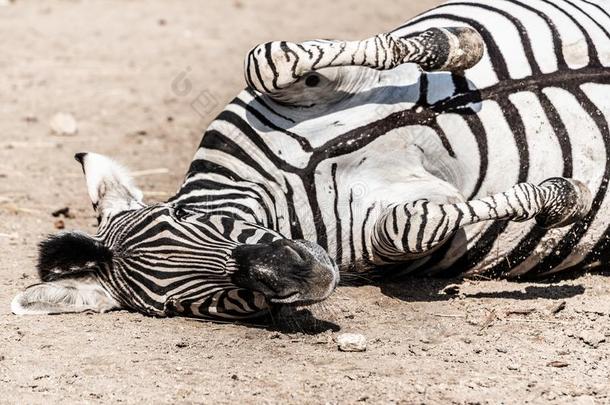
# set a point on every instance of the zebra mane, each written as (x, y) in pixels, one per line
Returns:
(70, 254)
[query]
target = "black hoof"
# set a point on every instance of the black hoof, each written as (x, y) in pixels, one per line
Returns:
(570, 202)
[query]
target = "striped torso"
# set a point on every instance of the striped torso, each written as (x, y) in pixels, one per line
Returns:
(535, 107)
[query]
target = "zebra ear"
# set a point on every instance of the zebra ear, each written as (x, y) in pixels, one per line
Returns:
(68, 295)
(69, 254)
(109, 184)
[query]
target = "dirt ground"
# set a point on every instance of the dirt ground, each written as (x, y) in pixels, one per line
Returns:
(143, 80)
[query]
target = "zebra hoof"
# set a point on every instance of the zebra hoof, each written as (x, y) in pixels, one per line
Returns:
(569, 202)
(466, 48)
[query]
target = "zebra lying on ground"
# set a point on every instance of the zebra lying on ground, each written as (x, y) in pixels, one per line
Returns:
(346, 155)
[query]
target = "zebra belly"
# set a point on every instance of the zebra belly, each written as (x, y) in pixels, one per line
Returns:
(558, 127)
(525, 143)
(553, 132)
(354, 189)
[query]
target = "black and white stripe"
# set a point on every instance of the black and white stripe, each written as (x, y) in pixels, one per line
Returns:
(536, 106)
(158, 261)
(497, 165)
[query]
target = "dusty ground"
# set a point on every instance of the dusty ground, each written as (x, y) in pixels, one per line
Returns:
(112, 65)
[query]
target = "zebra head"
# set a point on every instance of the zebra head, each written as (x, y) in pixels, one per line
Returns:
(171, 259)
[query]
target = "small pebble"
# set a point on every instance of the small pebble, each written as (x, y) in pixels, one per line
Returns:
(63, 212)
(63, 124)
(351, 342)
(555, 309)
(592, 338)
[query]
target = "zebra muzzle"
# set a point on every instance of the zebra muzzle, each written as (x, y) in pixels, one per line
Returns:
(294, 272)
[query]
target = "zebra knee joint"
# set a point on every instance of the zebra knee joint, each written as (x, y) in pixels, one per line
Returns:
(410, 231)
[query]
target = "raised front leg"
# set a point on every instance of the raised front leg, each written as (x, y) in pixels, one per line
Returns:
(412, 230)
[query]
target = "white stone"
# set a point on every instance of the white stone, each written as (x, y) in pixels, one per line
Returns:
(351, 342)
(63, 124)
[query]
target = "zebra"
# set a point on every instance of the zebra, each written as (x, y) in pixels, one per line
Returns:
(471, 141)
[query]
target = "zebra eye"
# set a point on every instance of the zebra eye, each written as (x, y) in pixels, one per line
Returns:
(312, 80)
(180, 213)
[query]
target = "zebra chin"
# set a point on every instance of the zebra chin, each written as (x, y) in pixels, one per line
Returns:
(286, 272)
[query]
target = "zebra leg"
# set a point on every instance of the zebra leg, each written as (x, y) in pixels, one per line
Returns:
(272, 67)
(413, 230)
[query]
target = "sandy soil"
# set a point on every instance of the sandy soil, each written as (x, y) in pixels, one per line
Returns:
(112, 64)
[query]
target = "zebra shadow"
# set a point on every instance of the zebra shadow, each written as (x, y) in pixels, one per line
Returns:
(425, 288)
(453, 93)
(284, 320)
(419, 289)
(299, 320)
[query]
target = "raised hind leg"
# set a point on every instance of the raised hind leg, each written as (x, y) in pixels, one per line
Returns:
(413, 230)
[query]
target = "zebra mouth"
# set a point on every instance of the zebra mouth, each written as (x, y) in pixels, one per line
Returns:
(286, 272)
(287, 299)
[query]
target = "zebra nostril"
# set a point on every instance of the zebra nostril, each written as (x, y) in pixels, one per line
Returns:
(289, 251)
(294, 254)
